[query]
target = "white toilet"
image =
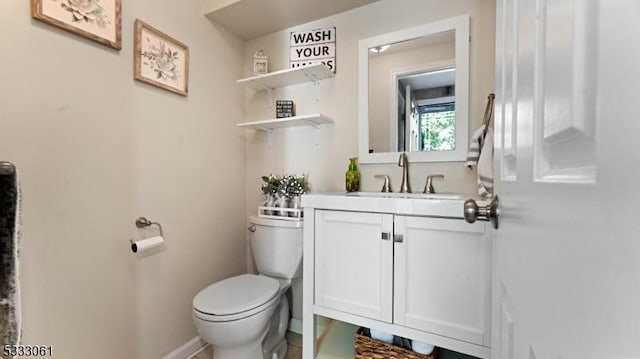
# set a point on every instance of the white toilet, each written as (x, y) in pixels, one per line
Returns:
(246, 316)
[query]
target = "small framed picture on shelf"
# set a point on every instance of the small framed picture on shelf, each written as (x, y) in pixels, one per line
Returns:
(285, 108)
(260, 63)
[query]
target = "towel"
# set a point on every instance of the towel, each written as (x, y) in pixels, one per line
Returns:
(10, 235)
(481, 156)
(422, 347)
(382, 336)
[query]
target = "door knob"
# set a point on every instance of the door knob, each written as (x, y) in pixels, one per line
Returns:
(490, 212)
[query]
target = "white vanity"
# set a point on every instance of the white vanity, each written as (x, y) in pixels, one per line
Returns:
(405, 264)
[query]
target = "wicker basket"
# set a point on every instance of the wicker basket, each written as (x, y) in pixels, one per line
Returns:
(367, 348)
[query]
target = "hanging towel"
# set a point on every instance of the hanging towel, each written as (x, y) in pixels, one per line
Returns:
(10, 235)
(481, 156)
(474, 148)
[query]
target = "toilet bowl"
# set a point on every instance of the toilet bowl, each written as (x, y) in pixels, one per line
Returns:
(246, 316)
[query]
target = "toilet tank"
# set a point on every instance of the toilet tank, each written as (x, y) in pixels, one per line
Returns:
(276, 246)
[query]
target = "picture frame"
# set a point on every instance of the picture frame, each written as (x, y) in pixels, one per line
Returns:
(160, 60)
(260, 67)
(97, 20)
(260, 63)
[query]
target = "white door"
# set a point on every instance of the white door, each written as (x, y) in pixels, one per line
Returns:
(354, 263)
(567, 271)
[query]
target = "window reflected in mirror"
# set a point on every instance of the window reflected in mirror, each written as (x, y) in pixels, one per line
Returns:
(421, 74)
(432, 120)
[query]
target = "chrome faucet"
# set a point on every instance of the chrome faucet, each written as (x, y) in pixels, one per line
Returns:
(404, 163)
(428, 187)
(386, 187)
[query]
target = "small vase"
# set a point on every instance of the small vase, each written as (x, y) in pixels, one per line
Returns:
(269, 201)
(281, 202)
(294, 202)
(352, 177)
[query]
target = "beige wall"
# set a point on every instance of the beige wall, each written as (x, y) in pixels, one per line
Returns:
(293, 150)
(95, 150)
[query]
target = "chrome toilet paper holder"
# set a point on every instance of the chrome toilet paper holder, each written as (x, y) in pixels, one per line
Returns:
(142, 222)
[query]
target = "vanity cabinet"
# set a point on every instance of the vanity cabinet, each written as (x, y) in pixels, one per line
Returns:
(353, 264)
(442, 277)
(424, 278)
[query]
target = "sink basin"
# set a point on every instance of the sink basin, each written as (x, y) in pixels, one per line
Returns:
(444, 205)
(440, 196)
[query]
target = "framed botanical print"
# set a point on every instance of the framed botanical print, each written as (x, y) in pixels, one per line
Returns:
(160, 60)
(98, 20)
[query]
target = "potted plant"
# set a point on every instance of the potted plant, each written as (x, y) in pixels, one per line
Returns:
(283, 192)
(282, 196)
(270, 186)
(297, 186)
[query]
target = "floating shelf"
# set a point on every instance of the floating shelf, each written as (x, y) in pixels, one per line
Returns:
(268, 82)
(276, 123)
(314, 120)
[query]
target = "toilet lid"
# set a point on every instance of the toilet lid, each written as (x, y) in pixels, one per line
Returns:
(236, 294)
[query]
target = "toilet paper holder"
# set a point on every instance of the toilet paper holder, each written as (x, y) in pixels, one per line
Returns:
(147, 243)
(142, 222)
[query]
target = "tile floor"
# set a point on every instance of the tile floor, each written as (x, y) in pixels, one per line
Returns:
(294, 350)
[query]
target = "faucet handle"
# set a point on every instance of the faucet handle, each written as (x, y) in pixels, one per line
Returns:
(386, 187)
(428, 187)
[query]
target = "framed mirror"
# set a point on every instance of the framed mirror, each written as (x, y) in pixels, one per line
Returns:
(413, 93)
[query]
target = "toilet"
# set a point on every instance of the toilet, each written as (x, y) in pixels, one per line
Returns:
(246, 316)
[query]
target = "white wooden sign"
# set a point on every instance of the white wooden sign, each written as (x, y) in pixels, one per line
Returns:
(312, 47)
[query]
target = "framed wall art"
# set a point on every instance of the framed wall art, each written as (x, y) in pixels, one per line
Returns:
(160, 60)
(98, 20)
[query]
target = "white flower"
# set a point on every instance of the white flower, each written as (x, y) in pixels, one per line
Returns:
(165, 63)
(162, 60)
(88, 11)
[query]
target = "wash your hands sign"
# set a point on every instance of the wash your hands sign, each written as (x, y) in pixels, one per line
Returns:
(312, 47)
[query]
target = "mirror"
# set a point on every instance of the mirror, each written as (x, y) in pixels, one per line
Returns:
(413, 93)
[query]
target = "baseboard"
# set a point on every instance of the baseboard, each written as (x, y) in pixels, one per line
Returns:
(187, 350)
(295, 325)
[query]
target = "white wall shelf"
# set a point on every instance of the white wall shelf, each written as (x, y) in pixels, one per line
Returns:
(314, 73)
(268, 82)
(276, 123)
(314, 120)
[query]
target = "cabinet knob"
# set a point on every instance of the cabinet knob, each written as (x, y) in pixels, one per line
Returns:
(398, 238)
(490, 212)
(386, 236)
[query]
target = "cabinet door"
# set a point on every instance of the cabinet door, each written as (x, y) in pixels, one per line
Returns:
(442, 271)
(353, 263)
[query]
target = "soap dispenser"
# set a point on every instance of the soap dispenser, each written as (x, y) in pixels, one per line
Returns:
(352, 177)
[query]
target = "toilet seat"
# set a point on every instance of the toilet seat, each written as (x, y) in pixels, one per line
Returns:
(236, 298)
